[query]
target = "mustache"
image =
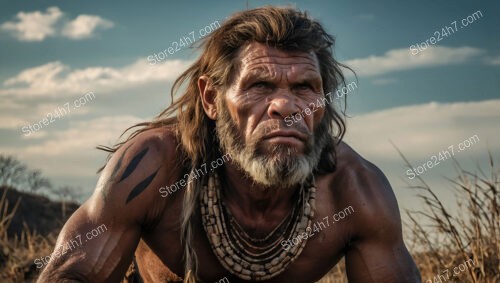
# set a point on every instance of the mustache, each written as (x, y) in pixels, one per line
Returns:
(267, 127)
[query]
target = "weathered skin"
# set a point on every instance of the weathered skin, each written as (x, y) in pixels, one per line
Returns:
(370, 238)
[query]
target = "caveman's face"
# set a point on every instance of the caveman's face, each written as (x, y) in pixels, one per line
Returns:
(268, 117)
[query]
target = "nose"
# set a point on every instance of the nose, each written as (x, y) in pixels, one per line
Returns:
(282, 105)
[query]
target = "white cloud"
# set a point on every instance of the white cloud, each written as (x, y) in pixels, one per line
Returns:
(84, 26)
(421, 131)
(494, 61)
(34, 26)
(9, 115)
(42, 108)
(71, 153)
(10, 122)
(15, 115)
(38, 25)
(12, 105)
(82, 136)
(55, 79)
(42, 77)
(35, 135)
(402, 59)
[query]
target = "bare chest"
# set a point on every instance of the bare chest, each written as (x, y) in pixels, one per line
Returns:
(159, 255)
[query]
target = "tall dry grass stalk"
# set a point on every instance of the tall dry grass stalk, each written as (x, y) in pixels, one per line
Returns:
(17, 254)
(443, 240)
(6, 216)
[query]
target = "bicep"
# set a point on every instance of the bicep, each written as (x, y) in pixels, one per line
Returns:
(377, 252)
(95, 248)
(380, 261)
(101, 254)
(119, 206)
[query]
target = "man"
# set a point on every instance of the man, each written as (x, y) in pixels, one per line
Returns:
(244, 176)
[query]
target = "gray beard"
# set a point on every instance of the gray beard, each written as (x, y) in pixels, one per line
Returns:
(282, 168)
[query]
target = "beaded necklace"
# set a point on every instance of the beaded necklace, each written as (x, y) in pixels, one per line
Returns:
(247, 257)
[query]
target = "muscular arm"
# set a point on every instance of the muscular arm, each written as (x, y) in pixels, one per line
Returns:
(377, 252)
(120, 204)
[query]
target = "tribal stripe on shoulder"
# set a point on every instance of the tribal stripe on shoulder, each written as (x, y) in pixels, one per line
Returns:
(130, 168)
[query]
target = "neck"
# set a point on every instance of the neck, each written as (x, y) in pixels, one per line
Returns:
(254, 200)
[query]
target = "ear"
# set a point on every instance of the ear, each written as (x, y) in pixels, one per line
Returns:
(208, 94)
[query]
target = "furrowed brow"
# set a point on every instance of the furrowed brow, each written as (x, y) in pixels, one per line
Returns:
(258, 74)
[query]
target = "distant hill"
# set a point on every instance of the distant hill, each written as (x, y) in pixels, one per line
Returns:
(38, 212)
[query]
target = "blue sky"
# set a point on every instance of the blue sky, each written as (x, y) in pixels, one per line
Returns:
(54, 52)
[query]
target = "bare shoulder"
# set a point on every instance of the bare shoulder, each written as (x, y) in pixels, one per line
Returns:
(131, 178)
(375, 250)
(362, 185)
(125, 202)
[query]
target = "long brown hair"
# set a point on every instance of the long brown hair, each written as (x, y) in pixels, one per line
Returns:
(284, 28)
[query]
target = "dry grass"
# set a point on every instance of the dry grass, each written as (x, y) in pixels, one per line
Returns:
(17, 254)
(443, 241)
(438, 239)
(336, 275)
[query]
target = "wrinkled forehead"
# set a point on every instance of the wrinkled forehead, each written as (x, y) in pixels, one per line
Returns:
(256, 56)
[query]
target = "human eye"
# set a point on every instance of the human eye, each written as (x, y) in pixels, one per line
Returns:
(303, 88)
(261, 87)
